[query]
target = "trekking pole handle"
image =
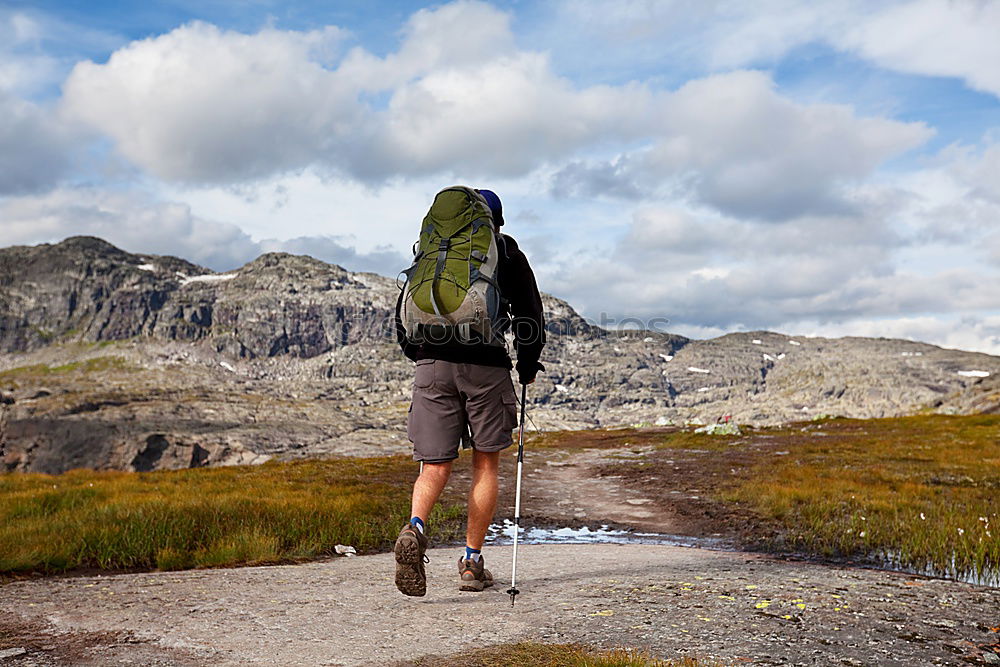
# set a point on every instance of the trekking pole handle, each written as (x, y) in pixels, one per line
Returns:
(520, 435)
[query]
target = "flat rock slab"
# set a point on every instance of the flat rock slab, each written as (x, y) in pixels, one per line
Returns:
(670, 600)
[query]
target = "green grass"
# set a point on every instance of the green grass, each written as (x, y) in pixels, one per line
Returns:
(276, 512)
(87, 366)
(920, 492)
(534, 654)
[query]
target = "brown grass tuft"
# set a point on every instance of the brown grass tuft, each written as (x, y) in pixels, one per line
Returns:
(208, 517)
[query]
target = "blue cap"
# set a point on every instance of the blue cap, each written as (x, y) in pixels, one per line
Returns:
(495, 206)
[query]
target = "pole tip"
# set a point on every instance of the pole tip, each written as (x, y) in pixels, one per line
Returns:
(512, 592)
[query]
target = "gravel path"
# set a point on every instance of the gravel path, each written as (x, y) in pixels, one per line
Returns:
(671, 600)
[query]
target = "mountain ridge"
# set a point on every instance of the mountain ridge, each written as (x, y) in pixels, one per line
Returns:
(143, 361)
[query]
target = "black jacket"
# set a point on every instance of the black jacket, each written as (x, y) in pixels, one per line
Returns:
(517, 286)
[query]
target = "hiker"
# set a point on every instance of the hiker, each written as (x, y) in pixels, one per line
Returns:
(462, 389)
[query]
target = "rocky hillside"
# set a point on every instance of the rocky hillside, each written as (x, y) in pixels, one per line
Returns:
(115, 360)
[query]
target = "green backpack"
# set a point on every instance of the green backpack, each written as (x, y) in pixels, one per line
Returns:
(451, 292)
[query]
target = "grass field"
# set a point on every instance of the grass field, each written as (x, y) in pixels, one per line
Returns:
(277, 512)
(918, 492)
(40, 371)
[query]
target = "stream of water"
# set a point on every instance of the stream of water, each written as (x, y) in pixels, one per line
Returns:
(504, 534)
(604, 534)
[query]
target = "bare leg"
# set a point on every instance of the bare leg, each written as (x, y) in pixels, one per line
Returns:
(428, 487)
(482, 496)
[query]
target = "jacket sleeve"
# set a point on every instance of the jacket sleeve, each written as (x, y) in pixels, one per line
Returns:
(408, 348)
(520, 289)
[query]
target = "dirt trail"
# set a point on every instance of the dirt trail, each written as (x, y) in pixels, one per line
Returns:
(672, 600)
(560, 487)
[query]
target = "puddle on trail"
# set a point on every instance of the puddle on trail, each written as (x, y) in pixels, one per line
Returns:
(504, 534)
(604, 534)
(891, 561)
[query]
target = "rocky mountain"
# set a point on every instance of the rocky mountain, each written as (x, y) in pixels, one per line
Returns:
(116, 360)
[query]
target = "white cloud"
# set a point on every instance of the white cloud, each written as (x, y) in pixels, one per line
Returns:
(702, 270)
(35, 147)
(23, 67)
(978, 333)
(505, 119)
(709, 35)
(732, 142)
(463, 34)
(955, 200)
(977, 170)
(202, 104)
(952, 38)
(933, 37)
(757, 154)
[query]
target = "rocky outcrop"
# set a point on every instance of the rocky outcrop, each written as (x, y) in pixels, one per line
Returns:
(82, 288)
(86, 289)
(141, 362)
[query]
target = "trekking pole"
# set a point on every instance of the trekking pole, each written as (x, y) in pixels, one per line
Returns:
(512, 591)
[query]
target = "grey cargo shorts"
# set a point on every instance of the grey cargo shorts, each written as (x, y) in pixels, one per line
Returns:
(447, 397)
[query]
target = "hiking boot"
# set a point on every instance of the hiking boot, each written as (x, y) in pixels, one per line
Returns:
(411, 579)
(473, 575)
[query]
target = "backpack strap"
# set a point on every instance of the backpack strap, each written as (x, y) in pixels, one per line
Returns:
(438, 269)
(475, 275)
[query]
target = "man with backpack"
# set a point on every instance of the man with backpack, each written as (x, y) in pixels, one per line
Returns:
(467, 286)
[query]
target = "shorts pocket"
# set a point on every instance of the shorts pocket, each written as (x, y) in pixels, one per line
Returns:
(510, 411)
(423, 376)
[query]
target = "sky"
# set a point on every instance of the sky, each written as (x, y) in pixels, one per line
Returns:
(811, 168)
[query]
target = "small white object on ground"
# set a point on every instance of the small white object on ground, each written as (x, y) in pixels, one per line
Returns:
(794, 342)
(146, 267)
(704, 388)
(228, 366)
(757, 341)
(345, 550)
(974, 374)
(666, 357)
(769, 357)
(562, 388)
(729, 428)
(694, 369)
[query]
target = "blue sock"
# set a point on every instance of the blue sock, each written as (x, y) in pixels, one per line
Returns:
(472, 554)
(418, 522)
